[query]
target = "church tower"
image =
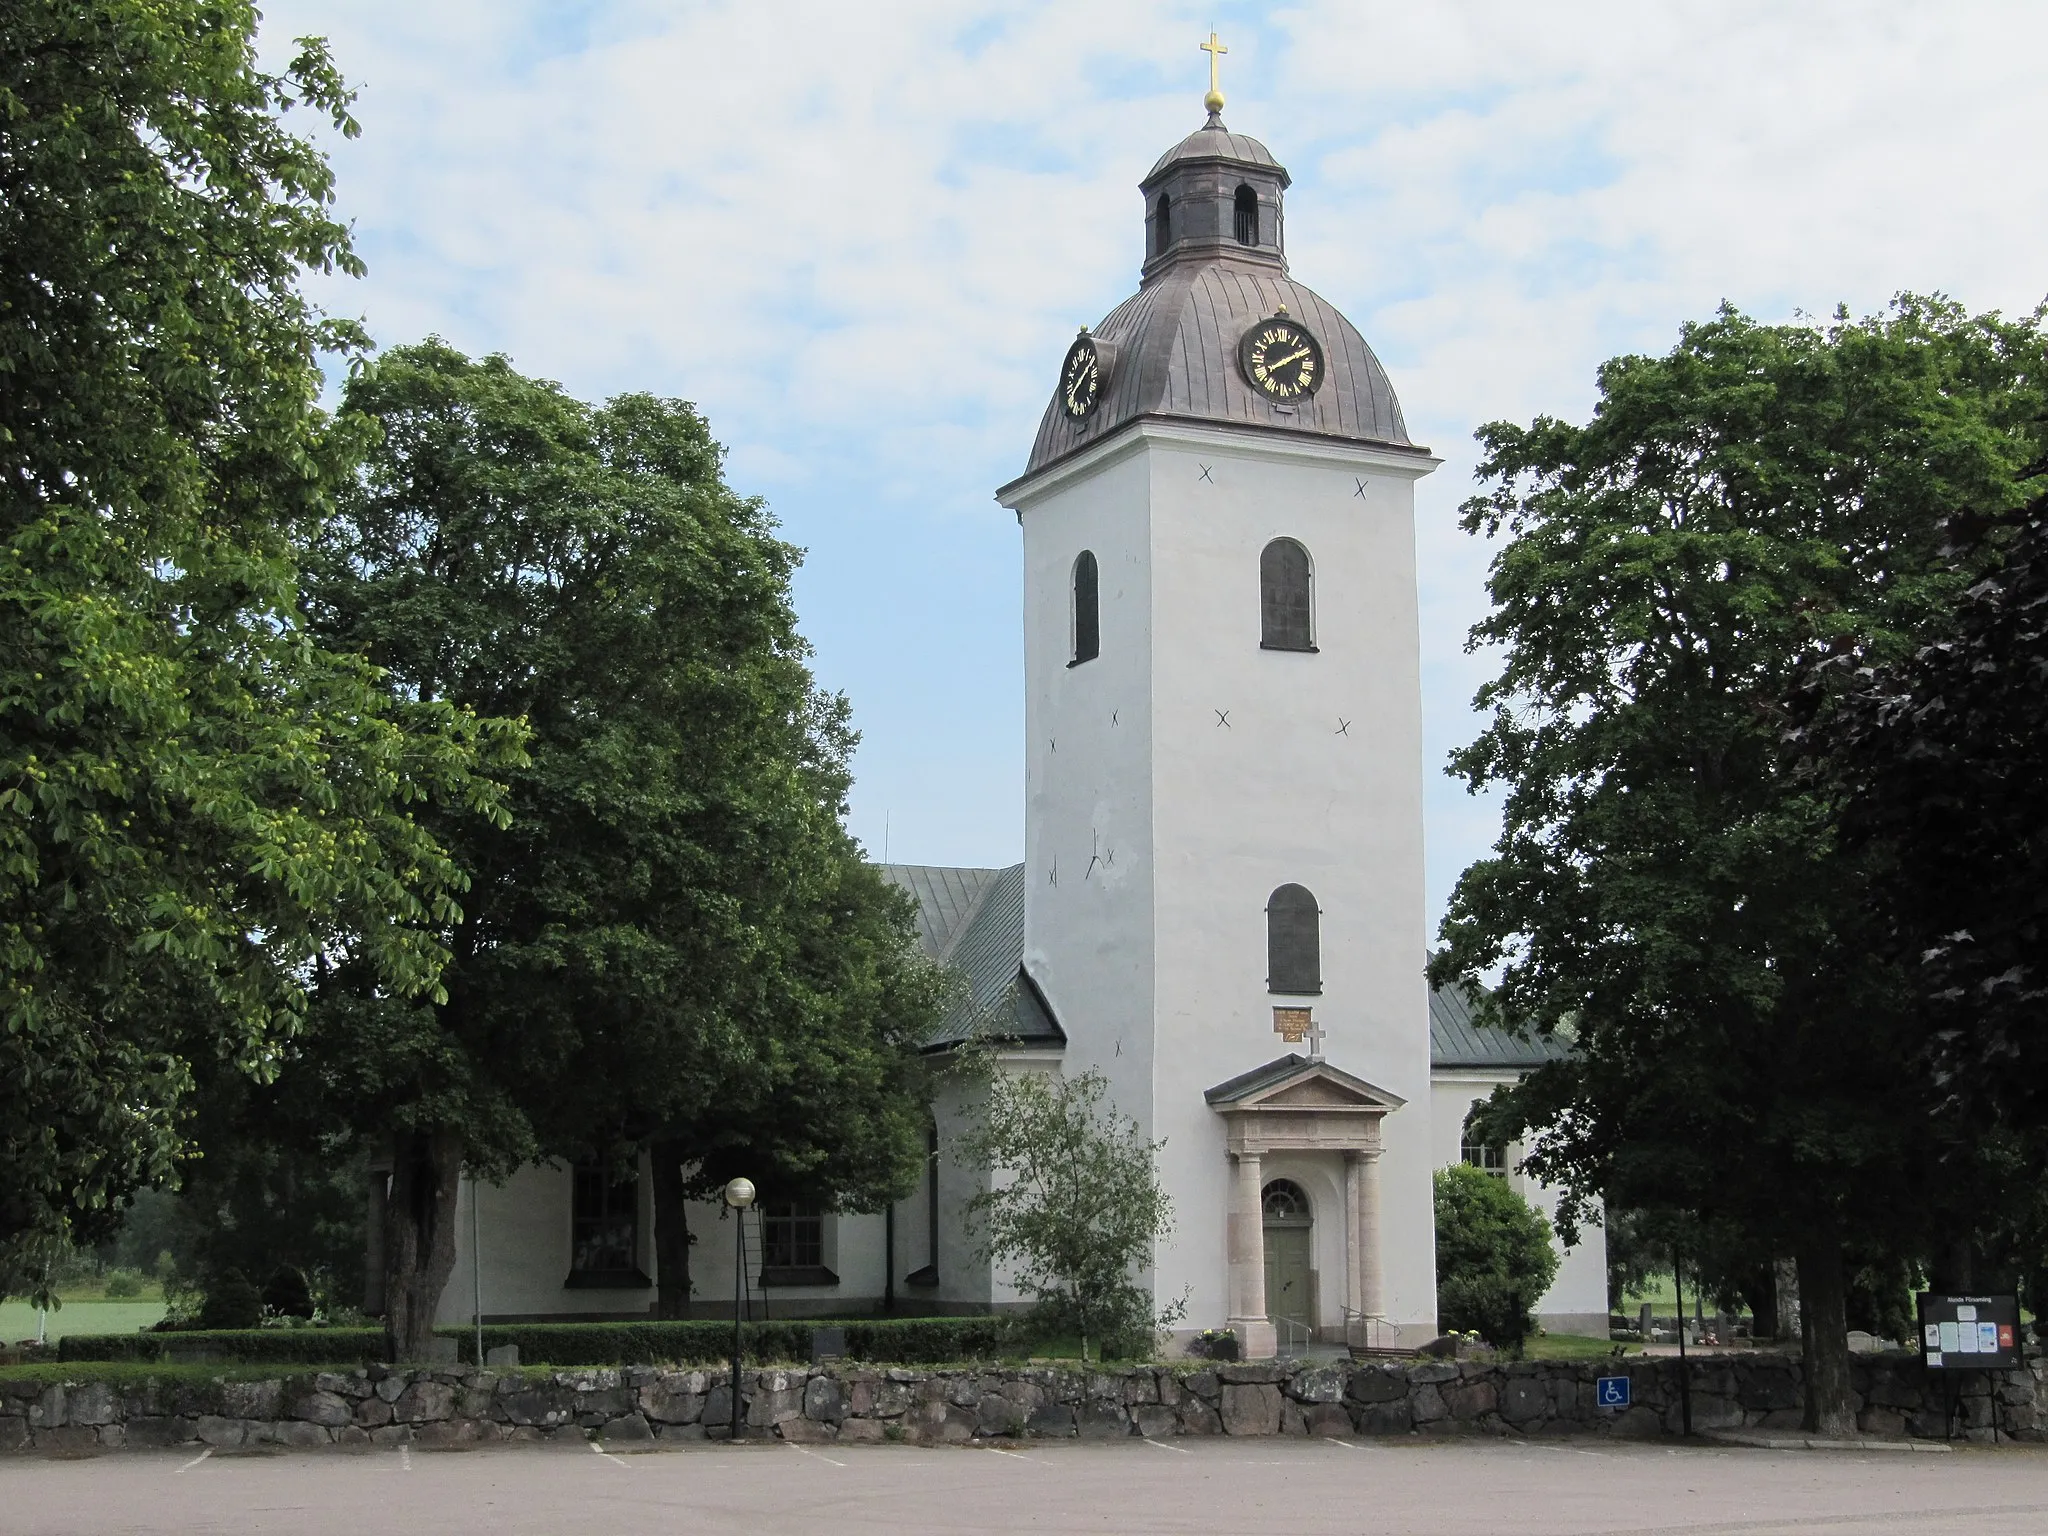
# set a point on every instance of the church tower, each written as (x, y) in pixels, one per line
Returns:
(1224, 899)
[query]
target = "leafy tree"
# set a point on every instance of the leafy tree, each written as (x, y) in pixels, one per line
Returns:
(1938, 763)
(1665, 892)
(674, 928)
(830, 1106)
(196, 798)
(1494, 1258)
(1075, 1206)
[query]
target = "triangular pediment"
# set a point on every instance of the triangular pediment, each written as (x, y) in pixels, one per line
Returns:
(1295, 1082)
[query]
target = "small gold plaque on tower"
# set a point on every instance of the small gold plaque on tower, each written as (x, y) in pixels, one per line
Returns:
(1292, 1024)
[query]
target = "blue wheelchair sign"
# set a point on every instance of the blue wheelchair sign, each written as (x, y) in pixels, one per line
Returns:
(1612, 1391)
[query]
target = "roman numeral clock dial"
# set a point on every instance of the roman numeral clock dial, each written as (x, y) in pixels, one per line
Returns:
(1081, 378)
(1281, 360)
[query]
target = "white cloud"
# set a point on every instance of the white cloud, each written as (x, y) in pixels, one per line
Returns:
(860, 237)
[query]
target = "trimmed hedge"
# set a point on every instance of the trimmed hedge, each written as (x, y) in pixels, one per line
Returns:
(702, 1341)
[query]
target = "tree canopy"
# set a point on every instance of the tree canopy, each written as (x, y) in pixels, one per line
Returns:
(1666, 893)
(197, 799)
(674, 931)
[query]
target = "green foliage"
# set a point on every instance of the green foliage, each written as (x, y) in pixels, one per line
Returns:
(899, 1341)
(196, 798)
(675, 937)
(123, 1285)
(1939, 764)
(231, 1302)
(1666, 893)
(1075, 1208)
(1494, 1258)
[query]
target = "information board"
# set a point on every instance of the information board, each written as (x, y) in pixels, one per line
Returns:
(1970, 1333)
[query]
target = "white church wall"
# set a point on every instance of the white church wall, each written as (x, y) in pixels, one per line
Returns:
(1088, 823)
(1577, 1299)
(524, 1225)
(1282, 793)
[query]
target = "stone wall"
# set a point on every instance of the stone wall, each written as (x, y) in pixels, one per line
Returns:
(461, 1405)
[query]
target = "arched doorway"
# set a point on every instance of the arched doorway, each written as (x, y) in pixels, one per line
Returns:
(1290, 1275)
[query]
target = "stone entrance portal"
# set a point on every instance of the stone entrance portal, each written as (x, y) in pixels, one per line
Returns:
(1297, 1105)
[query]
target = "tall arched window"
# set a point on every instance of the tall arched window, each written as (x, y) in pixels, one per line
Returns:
(1162, 224)
(1247, 202)
(1286, 614)
(1294, 942)
(1087, 609)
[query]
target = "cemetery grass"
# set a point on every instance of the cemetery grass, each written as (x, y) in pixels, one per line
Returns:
(1568, 1346)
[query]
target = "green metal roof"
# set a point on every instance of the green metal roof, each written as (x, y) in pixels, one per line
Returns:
(973, 921)
(1456, 1039)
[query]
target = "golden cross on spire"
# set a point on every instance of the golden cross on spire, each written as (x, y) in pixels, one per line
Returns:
(1214, 100)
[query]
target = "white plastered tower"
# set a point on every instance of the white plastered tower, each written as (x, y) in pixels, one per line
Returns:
(1191, 768)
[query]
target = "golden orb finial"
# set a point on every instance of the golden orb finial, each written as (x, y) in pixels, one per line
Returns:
(1214, 100)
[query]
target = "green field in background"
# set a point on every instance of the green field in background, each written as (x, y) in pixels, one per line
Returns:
(18, 1318)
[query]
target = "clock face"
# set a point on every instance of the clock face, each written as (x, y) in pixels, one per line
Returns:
(1081, 379)
(1281, 359)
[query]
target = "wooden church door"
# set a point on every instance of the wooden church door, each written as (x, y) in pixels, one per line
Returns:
(1290, 1279)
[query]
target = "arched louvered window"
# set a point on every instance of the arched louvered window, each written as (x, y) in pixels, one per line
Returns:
(1247, 204)
(1087, 609)
(1294, 942)
(1286, 612)
(1162, 224)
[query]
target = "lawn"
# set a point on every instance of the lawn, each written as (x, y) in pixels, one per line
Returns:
(18, 1318)
(1568, 1346)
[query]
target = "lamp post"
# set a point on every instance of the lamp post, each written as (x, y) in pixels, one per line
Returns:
(739, 1194)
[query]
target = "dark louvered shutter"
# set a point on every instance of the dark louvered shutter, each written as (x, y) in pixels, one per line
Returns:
(1087, 610)
(1294, 942)
(1285, 622)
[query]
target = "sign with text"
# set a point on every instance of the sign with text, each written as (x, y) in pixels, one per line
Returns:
(1970, 1333)
(1611, 1391)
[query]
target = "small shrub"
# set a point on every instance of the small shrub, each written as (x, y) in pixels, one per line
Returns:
(287, 1294)
(1494, 1258)
(123, 1285)
(231, 1302)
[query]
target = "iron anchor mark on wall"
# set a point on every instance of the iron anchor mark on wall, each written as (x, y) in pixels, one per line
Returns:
(1343, 726)
(1223, 719)
(1359, 494)
(1206, 476)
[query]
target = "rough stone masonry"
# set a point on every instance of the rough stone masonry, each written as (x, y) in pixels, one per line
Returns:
(845, 1403)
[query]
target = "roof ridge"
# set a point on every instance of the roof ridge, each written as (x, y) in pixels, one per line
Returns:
(967, 919)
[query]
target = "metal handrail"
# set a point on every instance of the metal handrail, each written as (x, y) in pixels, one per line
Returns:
(1287, 1328)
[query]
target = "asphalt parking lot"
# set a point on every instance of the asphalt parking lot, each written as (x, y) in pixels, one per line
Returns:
(1222, 1486)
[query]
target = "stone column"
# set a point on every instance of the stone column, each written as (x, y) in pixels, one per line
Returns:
(1246, 1239)
(1354, 1247)
(1371, 1272)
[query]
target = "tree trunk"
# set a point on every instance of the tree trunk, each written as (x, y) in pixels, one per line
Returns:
(1760, 1295)
(671, 1231)
(419, 1237)
(1954, 1268)
(1788, 1323)
(1824, 1332)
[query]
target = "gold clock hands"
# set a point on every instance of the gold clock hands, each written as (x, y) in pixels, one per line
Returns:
(1293, 357)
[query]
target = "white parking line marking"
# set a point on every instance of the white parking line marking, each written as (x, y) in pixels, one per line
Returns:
(997, 1450)
(598, 1446)
(1161, 1445)
(1345, 1443)
(196, 1460)
(802, 1451)
(404, 1457)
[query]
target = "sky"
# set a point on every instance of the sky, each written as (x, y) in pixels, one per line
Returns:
(860, 237)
